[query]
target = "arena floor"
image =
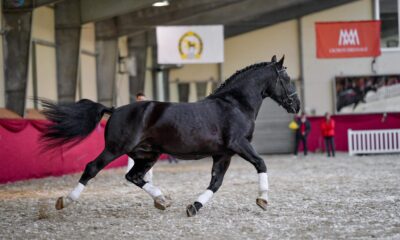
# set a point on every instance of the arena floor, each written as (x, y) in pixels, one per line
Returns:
(310, 198)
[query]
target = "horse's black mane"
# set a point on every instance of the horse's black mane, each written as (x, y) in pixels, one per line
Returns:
(236, 74)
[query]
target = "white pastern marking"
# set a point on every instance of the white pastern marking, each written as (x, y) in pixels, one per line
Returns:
(74, 195)
(153, 191)
(130, 164)
(263, 182)
(205, 197)
(263, 185)
(264, 195)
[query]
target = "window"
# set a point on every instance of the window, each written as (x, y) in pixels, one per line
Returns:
(387, 11)
(183, 91)
(201, 90)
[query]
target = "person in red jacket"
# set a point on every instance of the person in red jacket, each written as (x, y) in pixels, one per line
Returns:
(328, 132)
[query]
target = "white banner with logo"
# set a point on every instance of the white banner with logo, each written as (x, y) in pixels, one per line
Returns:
(190, 44)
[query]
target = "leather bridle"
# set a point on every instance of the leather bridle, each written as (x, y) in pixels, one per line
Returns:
(288, 101)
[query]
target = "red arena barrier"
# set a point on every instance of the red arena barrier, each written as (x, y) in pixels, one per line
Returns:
(351, 121)
(21, 156)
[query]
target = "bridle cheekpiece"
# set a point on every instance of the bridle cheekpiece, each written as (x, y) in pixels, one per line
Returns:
(289, 97)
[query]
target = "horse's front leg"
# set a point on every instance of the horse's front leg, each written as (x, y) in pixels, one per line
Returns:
(220, 165)
(244, 149)
(137, 174)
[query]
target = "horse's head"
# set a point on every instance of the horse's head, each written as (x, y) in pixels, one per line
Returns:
(282, 90)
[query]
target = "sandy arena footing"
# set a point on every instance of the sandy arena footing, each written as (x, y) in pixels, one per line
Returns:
(310, 198)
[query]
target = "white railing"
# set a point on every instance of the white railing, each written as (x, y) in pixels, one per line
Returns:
(373, 141)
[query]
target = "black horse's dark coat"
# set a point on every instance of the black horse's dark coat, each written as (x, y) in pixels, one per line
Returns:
(220, 125)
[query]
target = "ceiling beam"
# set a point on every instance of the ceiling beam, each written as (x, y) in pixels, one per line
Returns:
(212, 13)
(296, 10)
(238, 11)
(97, 10)
(237, 16)
(146, 19)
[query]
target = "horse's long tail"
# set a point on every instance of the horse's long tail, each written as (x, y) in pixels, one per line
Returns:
(71, 122)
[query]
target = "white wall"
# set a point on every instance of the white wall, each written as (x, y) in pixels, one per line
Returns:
(195, 72)
(282, 38)
(43, 29)
(148, 82)
(260, 45)
(319, 74)
(240, 51)
(246, 49)
(88, 84)
(122, 80)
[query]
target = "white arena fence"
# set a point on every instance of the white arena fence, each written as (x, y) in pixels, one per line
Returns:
(373, 141)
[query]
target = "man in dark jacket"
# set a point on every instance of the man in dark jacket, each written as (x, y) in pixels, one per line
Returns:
(302, 132)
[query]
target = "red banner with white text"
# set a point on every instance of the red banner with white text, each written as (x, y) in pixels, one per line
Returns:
(348, 39)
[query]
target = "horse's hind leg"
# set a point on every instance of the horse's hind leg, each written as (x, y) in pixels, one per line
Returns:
(90, 172)
(220, 165)
(136, 176)
(148, 177)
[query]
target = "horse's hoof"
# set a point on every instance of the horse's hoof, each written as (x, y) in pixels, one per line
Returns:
(191, 210)
(262, 203)
(60, 203)
(162, 202)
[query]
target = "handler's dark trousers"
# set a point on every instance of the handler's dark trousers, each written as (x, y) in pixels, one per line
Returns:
(330, 146)
(304, 140)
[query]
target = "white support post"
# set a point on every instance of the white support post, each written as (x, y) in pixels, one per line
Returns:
(350, 141)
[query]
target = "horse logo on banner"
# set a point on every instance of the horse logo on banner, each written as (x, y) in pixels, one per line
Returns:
(190, 46)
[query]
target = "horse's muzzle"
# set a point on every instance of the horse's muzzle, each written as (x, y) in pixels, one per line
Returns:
(292, 105)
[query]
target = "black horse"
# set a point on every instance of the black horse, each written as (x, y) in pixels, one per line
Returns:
(220, 126)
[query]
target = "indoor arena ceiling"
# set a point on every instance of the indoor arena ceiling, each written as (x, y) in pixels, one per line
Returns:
(238, 16)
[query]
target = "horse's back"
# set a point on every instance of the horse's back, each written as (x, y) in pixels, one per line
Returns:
(183, 128)
(180, 129)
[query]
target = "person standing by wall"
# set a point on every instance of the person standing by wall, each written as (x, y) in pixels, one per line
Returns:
(302, 133)
(149, 175)
(328, 132)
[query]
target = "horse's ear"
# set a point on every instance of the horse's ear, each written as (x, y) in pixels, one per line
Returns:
(273, 59)
(280, 63)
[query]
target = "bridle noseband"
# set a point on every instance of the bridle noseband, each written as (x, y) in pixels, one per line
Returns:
(289, 97)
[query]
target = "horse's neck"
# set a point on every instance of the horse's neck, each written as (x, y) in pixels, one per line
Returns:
(246, 94)
(248, 101)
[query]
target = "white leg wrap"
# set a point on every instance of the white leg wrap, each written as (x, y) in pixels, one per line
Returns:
(148, 177)
(205, 197)
(264, 195)
(153, 191)
(263, 185)
(74, 195)
(130, 164)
